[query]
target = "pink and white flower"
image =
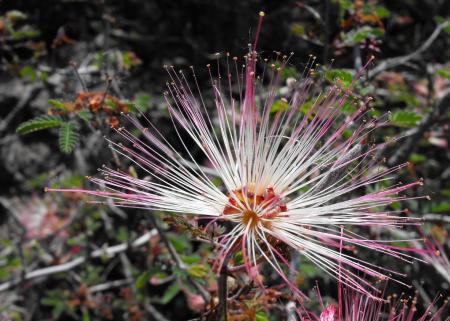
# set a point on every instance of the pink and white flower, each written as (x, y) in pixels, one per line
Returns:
(359, 307)
(289, 178)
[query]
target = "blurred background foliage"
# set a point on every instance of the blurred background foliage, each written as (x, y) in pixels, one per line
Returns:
(70, 67)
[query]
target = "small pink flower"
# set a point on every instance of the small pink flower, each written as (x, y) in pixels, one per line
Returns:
(331, 313)
(40, 217)
(195, 302)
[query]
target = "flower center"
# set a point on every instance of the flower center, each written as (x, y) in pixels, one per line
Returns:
(250, 217)
(250, 208)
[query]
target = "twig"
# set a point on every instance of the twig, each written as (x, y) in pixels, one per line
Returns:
(178, 262)
(414, 134)
(436, 217)
(334, 173)
(397, 61)
(29, 93)
(109, 285)
(105, 93)
(291, 307)
(155, 313)
(108, 251)
(326, 47)
(423, 293)
(291, 310)
(74, 66)
(222, 307)
(315, 14)
(116, 210)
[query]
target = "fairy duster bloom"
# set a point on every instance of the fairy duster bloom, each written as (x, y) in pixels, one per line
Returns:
(288, 176)
(358, 307)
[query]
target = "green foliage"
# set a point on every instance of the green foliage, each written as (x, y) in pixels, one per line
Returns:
(56, 301)
(169, 294)
(447, 28)
(403, 118)
(261, 316)
(279, 105)
(355, 37)
(28, 72)
(417, 158)
(442, 207)
(68, 137)
(289, 72)
(57, 104)
(26, 32)
(344, 5)
(348, 108)
(238, 258)
(86, 315)
(191, 259)
(298, 29)
(141, 103)
(122, 234)
(16, 15)
(143, 279)
(31, 74)
(198, 270)
(382, 12)
(306, 106)
(401, 94)
(444, 73)
(340, 76)
(85, 115)
(179, 242)
(92, 274)
(40, 123)
(309, 270)
(9, 265)
(69, 180)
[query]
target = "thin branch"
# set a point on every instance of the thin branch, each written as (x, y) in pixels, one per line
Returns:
(291, 311)
(178, 261)
(334, 173)
(74, 66)
(222, 306)
(436, 218)
(397, 61)
(155, 313)
(108, 251)
(109, 285)
(409, 144)
(28, 94)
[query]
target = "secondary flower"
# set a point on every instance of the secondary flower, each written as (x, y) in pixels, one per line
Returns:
(289, 175)
(358, 307)
(40, 218)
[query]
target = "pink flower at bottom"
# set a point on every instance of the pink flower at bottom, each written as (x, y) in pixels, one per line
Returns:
(331, 313)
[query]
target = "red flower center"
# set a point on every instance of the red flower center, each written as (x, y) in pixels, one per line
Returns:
(254, 207)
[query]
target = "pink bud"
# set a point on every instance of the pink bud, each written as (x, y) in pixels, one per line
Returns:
(195, 302)
(330, 313)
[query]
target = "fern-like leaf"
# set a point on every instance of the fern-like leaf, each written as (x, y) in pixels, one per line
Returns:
(39, 123)
(68, 137)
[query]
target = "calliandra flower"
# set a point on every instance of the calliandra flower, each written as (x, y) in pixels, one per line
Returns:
(288, 177)
(330, 313)
(359, 307)
(39, 217)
